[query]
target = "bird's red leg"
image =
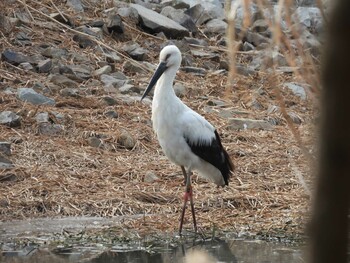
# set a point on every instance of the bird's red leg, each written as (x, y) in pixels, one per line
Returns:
(188, 194)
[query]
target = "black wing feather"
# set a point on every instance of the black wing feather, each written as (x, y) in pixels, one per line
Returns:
(215, 154)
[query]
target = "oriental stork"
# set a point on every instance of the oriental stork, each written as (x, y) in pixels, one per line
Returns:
(186, 138)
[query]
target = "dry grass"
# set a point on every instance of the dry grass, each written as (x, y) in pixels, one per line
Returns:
(64, 176)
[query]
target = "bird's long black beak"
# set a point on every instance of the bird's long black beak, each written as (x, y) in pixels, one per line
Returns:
(159, 71)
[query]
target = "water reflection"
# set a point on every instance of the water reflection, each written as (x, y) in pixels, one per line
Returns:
(221, 250)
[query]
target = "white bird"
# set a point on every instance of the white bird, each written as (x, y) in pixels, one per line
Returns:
(186, 138)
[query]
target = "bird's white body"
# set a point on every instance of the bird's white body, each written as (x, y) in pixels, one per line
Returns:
(174, 122)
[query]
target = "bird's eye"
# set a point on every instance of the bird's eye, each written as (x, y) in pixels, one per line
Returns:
(167, 56)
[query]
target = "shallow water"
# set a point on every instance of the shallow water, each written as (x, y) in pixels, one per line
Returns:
(63, 240)
(223, 251)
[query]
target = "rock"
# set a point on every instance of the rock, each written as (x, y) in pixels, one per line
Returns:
(215, 102)
(150, 177)
(135, 51)
(112, 57)
(9, 118)
(203, 54)
(296, 89)
(42, 117)
(128, 12)
(5, 148)
(50, 129)
(295, 117)
(127, 88)
(215, 26)
(310, 17)
(111, 114)
(213, 8)
(31, 96)
(177, 4)
(247, 46)
(81, 71)
(26, 66)
(261, 26)
(45, 66)
(104, 70)
(179, 89)
(126, 140)
(64, 20)
(76, 5)
(95, 142)
(245, 70)
(58, 53)
(69, 92)
(110, 101)
(194, 70)
(255, 38)
(7, 177)
(244, 124)
(114, 24)
(199, 14)
(132, 67)
(196, 41)
(179, 17)
(23, 39)
(83, 41)
(266, 59)
(63, 81)
(92, 31)
(154, 22)
(13, 57)
(5, 164)
(110, 81)
(95, 24)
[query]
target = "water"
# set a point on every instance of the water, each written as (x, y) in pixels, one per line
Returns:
(228, 251)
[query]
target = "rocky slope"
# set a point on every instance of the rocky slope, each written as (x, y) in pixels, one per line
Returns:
(76, 140)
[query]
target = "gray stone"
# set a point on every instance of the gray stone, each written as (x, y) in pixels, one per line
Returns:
(110, 81)
(212, 7)
(31, 96)
(199, 14)
(42, 117)
(178, 4)
(215, 102)
(159, 23)
(26, 66)
(111, 114)
(50, 129)
(215, 26)
(63, 81)
(179, 89)
(296, 89)
(69, 92)
(247, 46)
(62, 18)
(194, 70)
(84, 41)
(5, 164)
(128, 12)
(132, 67)
(245, 70)
(13, 57)
(244, 124)
(127, 88)
(135, 51)
(180, 17)
(255, 38)
(114, 24)
(150, 177)
(95, 142)
(44, 66)
(9, 118)
(295, 117)
(196, 41)
(5, 148)
(110, 101)
(260, 26)
(204, 54)
(76, 5)
(126, 140)
(104, 70)
(52, 52)
(310, 17)
(81, 71)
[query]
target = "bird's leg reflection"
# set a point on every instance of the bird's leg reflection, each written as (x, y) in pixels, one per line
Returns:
(188, 195)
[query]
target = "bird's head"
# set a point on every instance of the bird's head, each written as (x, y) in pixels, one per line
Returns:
(169, 59)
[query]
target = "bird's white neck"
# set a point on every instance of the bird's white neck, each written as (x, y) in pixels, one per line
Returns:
(164, 89)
